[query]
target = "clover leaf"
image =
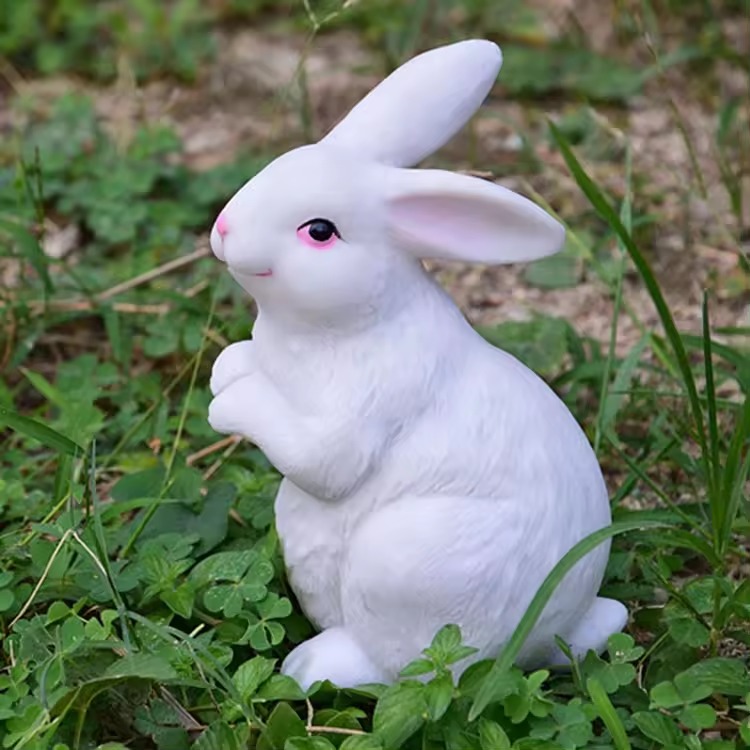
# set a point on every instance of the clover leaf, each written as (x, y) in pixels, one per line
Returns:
(230, 598)
(262, 630)
(618, 671)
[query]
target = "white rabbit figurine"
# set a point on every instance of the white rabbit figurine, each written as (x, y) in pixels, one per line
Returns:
(429, 477)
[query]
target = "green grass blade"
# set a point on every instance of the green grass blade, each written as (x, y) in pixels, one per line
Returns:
(101, 549)
(614, 397)
(715, 496)
(513, 647)
(733, 478)
(605, 210)
(626, 217)
(608, 715)
(687, 540)
(45, 388)
(38, 431)
(735, 475)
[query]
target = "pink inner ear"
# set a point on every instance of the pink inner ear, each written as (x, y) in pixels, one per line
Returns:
(448, 216)
(221, 225)
(304, 234)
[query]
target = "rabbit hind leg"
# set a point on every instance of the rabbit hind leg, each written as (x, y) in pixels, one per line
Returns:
(425, 562)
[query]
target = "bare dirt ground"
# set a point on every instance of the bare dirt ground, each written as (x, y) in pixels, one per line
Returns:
(250, 99)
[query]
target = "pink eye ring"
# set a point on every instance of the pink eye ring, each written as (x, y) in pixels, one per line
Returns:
(319, 234)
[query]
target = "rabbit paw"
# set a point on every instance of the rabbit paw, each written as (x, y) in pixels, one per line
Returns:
(332, 655)
(251, 406)
(242, 404)
(233, 363)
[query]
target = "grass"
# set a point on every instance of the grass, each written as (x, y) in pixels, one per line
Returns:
(143, 601)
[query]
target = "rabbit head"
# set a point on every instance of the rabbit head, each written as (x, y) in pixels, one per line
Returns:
(338, 228)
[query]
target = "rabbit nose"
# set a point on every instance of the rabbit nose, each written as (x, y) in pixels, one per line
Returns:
(218, 232)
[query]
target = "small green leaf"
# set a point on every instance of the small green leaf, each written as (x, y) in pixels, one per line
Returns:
(492, 736)
(688, 630)
(282, 724)
(223, 566)
(72, 633)
(219, 736)
(361, 742)
(6, 599)
(139, 484)
(657, 727)
(720, 674)
(665, 695)
(279, 687)
(215, 599)
(180, 600)
(308, 743)
(531, 743)
(690, 691)
(438, 694)
(274, 607)
(400, 713)
(232, 600)
(57, 611)
(418, 667)
(446, 640)
(698, 717)
(621, 648)
(252, 674)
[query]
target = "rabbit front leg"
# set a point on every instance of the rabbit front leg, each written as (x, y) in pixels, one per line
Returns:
(323, 458)
(251, 406)
(236, 360)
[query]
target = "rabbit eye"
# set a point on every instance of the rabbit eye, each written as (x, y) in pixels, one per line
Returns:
(318, 233)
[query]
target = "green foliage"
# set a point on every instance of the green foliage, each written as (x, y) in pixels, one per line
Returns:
(55, 35)
(542, 343)
(138, 194)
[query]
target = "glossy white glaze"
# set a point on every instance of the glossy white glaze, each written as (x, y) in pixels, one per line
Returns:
(430, 478)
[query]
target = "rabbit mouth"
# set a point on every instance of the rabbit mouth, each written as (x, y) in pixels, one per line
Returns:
(246, 273)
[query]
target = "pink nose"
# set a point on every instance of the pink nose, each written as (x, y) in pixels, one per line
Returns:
(221, 225)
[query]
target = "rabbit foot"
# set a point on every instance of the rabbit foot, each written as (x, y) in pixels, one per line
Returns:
(603, 618)
(233, 363)
(332, 655)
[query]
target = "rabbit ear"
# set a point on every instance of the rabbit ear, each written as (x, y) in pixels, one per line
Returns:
(448, 216)
(421, 105)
